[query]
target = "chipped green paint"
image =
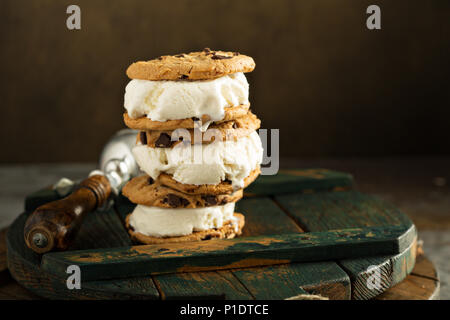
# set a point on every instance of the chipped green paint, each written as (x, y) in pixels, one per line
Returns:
(316, 211)
(220, 254)
(320, 212)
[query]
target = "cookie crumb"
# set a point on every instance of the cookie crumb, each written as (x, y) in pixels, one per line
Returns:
(220, 57)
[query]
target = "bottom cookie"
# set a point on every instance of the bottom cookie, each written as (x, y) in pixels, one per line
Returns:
(229, 230)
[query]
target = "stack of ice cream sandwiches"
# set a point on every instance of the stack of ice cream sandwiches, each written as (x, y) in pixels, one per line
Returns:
(197, 145)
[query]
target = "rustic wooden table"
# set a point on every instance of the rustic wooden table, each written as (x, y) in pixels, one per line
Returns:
(418, 186)
(421, 284)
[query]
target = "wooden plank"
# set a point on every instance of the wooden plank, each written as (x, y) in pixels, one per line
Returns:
(255, 230)
(338, 210)
(290, 181)
(226, 254)
(424, 268)
(101, 230)
(320, 212)
(265, 217)
(193, 285)
(413, 288)
(12, 291)
(374, 275)
(421, 284)
(201, 285)
(262, 216)
(285, 281)
(24, 266)
(133, 288)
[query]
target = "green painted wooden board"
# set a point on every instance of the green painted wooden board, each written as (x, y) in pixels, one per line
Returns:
(280, 228)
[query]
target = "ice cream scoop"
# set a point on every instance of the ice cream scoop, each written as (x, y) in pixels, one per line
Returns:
(54, 225)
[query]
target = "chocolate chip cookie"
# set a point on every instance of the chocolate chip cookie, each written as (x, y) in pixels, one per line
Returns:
(228, 130)
(202, 65)
(146, 191)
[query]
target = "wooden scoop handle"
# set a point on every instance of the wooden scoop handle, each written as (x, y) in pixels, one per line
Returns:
(54, 225)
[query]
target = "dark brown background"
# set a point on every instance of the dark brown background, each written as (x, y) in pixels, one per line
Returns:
(333, 87)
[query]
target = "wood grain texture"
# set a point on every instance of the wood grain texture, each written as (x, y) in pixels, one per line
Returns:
(144, 260)
(374, 275)
(269, 220)
(202, 285)
(303, 180)
(284, 281)
(24, 265)
(341, 209)
(263, 217)
(337, 210)
(421, 284)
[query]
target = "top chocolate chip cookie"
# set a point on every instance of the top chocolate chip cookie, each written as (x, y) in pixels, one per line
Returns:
(203, 65)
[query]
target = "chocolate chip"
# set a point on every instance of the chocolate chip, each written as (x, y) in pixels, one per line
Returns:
(210, 200)
(176, 201)
(179, 56)
(163, 141)
(235, 126)
(236, 53)
(180, 139)
(207, 237)
(143, 137)
(219, 57)
(195, 119)
(150, 180)
(227, 181)
(208, 51)
(183, 76)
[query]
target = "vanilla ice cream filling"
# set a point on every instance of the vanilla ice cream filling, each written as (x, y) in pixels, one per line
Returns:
(203, 163)
(164, 222)
(172, 100)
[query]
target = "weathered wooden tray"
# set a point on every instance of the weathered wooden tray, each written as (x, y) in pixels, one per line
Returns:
(306, 231)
